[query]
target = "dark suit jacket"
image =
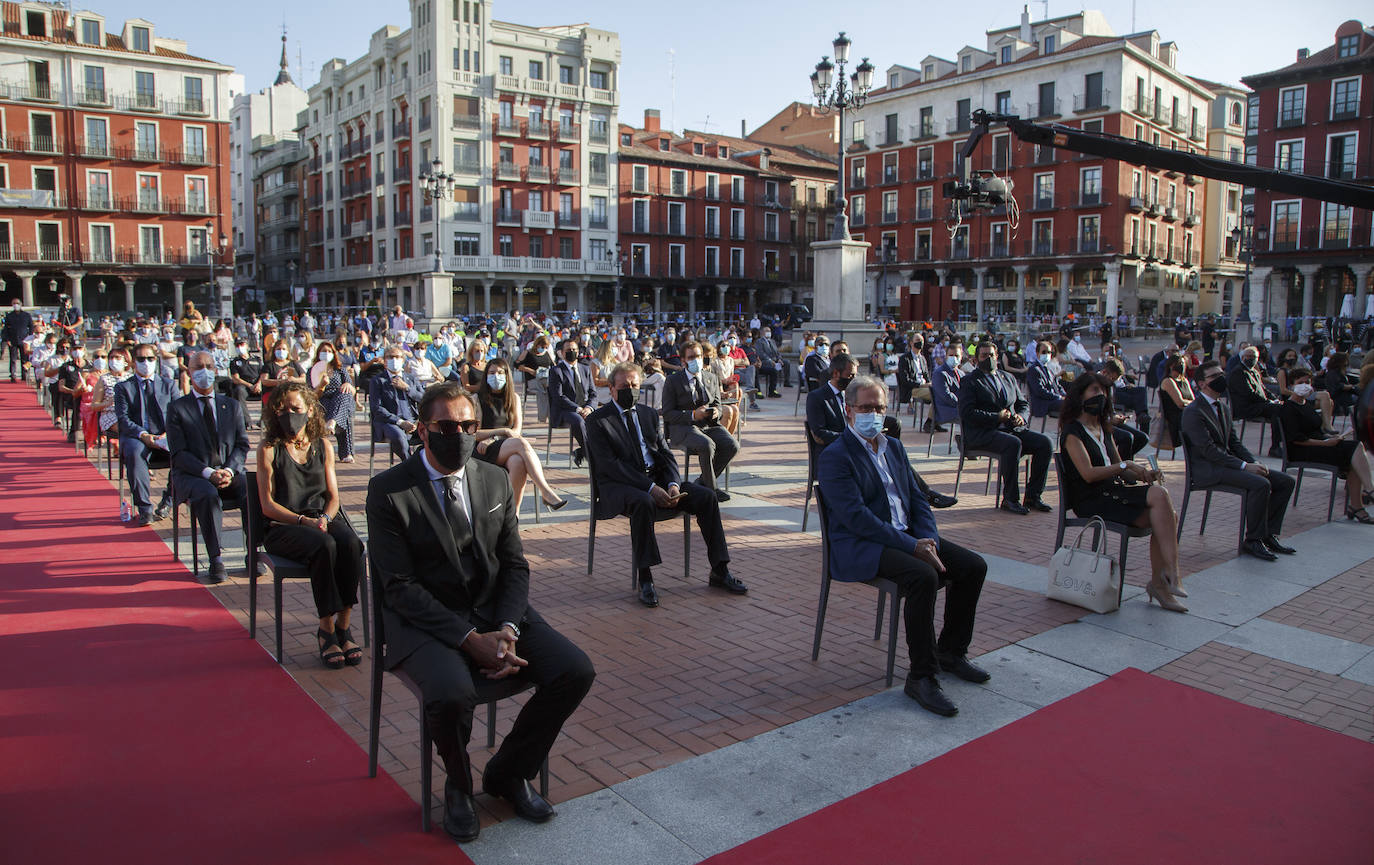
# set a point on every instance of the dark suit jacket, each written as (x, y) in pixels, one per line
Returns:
(1045, 392)
(128, 406)
(816, 369)
(615, 453)
(824, 414)
(1212, 445)
(860, 517)
(679, 401)
(981, 396)
(912, 373)
(1248, 396)
(17, 325)
(429, 594)
(189, 441)
(563, 391)
(944, 388)
(391, 405)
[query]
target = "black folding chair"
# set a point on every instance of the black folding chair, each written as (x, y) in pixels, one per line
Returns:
(634, 572)
(1189, 487)
(1126, 532)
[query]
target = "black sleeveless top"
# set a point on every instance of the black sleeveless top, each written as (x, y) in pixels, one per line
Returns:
(494, 415)
(300, 487)
(1075, 488)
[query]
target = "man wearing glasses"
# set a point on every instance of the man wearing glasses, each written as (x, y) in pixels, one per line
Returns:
(445, 547)
(879, 525)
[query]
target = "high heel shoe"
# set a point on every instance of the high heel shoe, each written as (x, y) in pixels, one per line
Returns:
(554, 505)
(1161, 594)
(1360, 516)
(1174, 588)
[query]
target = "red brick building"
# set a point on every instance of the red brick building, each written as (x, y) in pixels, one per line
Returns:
(705, 221)
(1314, 116)
(112, 162)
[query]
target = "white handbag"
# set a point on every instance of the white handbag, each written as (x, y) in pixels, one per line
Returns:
(1087, 578)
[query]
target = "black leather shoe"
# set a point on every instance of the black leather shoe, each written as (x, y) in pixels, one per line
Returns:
(578, 456)
(460, 814)
(1259, 551)
(217, 573)
(648, 595)
(961, 667)
(940, 500)
(1037, 505)
(1015, 507)
(161, 513)
(724, 580)
(927, 691)
(1276, 453)
(1272, 544)
(722, 496)
(522, 797)
(143, 520)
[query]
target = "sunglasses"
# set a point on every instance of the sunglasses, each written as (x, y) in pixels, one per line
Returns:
(452, 427)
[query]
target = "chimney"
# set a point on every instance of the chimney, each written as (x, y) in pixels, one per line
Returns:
(1302, 54)
(1025, 35)
(743, 133)
(651, 123)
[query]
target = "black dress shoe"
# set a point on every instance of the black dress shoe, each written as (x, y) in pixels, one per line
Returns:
(1015, 507)
(521, 796)
(940, 500)
(460, 814)
(722, 496)
(648, 595)
(216, 572)
(927, 691)
(161, 513)
(1272, 544)
(1276, 453)
(144, 519)
(940, 429)
(961, 667)
(1259, 551)
(724, 580)
(1037, 505)
(578, 456)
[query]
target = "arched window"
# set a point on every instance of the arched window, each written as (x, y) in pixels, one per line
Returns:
(1235, 113)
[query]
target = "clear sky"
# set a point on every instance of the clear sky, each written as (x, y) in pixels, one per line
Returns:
(739, 60)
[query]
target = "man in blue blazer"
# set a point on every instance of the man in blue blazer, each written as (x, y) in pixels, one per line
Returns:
(879, 525)
(572, 394)
(140, 404)
(391, 398)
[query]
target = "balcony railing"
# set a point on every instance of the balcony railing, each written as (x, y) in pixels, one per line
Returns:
(537, 173)
(32, 90)
(1198, 132)
(536, 129)
(471, 122)
(468, 166)
(92, 96)
(1043, 108)
(507, 126)
(599, 136)
(425, 122)
(400, 218)
(569, 131)
(508, 216)
(1290, 118)
(507, 171)
(598, 178)
(400, 130)
(1095, 101)
(597, 222)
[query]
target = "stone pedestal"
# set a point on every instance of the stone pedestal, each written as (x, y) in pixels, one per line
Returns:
(436, 299)
(839, 288)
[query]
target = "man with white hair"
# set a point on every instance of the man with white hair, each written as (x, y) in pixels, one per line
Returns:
(1250, 400)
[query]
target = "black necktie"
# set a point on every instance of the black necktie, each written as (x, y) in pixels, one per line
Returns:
(207, 413)
(698, 391)
(457, 520)
(632, 426)
(579, 390)
(1221, 418)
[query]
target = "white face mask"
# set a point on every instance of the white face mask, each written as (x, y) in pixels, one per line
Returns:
(326, 357)
(1303, 391)
(117, 365)
(395, 364)
(146, 367)
(100, 363)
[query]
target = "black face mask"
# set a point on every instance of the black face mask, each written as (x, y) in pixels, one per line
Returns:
(570, 355)
(450, 451)
(1249, 362)
(1216, 384)
(1095, 405)
(985, 364)
(627, 397)
(294, 422)
(842, 383)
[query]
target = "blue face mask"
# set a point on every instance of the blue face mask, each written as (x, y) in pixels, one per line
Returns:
(868, 424)
(951, 361)
(203, 378)
(694, 365)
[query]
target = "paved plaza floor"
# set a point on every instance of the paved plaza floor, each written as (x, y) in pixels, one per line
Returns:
(709, 723)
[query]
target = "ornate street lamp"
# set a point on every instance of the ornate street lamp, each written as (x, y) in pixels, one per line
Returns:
(835, 91)
(438, 186)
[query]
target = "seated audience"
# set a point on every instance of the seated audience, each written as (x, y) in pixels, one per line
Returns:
(1046, 393)
(992, 414)
(208, 440)
(1217, 456)
(1013, 361)
(1307, 442)
(299, 492)
(879, 525)
(944, 390)
(392, 400)
(571, 395)
(1343, 391)
(1175, 395)
(335, 392)
(1249, 399)
(141, 407)
(1100, 482)
(693, 415)
(499, 439)
(637, 476)
(1129, 440)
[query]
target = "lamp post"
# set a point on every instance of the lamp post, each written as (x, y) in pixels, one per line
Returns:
(291, 283)
(438, 186)
(887, 255)
(851, 92)
(1244, 236)
(210, 253)
(618, 259)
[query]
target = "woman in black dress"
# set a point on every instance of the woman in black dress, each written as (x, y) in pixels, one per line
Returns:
(299, 492)
(1302, 430)
(1098, 483)
(1174, 395)
(499, 441)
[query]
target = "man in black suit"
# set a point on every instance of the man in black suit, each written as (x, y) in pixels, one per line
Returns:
(816, 367)
(913, 373)
(571, 394)
(1249, 399)
(391, 399)
(637, 476)
(1216, 456)
(691, 411)
(208, 439)
(993, 412)
(445, 545)
(18, 325)
(140, 404)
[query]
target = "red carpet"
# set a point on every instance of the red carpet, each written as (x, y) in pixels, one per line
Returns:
(138, 723)
(1080, 782)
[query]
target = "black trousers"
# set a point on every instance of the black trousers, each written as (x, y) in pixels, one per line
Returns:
(1268, 500)
(1129, 440)
(240, 393)
(1010, 446)
(1269, 412)
(714, 448)
(768, 379)
(135, 455)
(335, 560)
(452, 687)
(639, 506)
(396, 438)
(577, 424)
(207, 502)
(918, 582)
(16, 360)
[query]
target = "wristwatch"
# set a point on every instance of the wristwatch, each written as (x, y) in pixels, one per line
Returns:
(1122, 465)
